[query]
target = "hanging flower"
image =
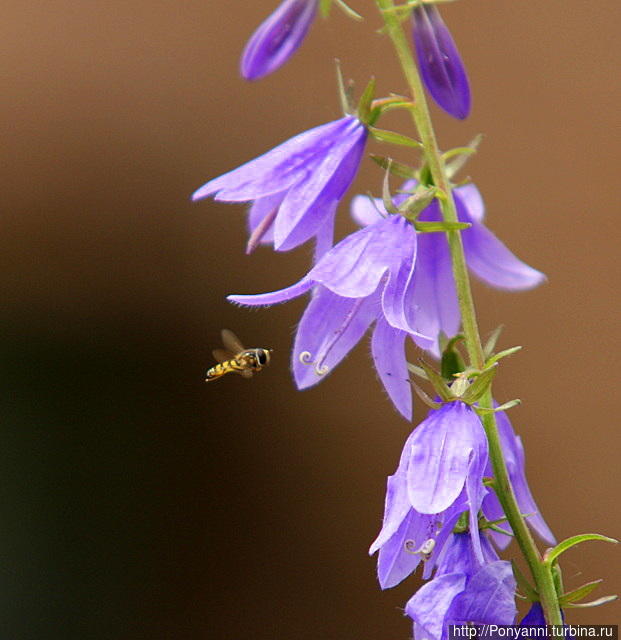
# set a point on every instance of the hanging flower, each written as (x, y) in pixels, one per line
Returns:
(440, 475)
(278, 38)
(441, 66)
(295, 187)
(365, 279)
(514, 457)
(433, 294)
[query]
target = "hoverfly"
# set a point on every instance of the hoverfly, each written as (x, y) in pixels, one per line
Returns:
(234, 358)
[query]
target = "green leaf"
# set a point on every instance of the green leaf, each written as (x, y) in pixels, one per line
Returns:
(324, 7)
(503, 354)
(347, 10)
(396, 168)
(364, 104)
(391, 137)
(434, 227)
(452, 362)
(594, 603)
(490, 345)
(523, 583)
(552, 554)
(437, 382)
(479, 386)
(579, 593)
(503, 407)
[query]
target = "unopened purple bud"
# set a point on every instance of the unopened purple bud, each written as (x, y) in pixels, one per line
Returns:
(441, 66)
(278, 38)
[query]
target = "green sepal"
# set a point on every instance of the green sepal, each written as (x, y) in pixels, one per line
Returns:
(386, 195)
(396, 168)
(412, 207)
(490, 345)
(502, 354)
(437, 382)
(523, 583)
(425, 177)
(345, 90)
(479, 386)
(418, 371)
(347, 10)
(552, 554)
(503, 407)
(364, 104)
(391, 137)
(394, 101)
(594, 603)
(324, 8)
(452, 362)
(461, 155)
(432, 404)
(578, 594)
(434, 227)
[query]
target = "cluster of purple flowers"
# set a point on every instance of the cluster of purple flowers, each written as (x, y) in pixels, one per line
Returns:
(398, 280)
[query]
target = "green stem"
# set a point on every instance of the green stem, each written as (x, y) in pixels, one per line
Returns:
(502, 483)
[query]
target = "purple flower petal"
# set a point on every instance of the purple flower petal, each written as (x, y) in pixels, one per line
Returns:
(274, 297)
(365, 210)
(491, 261)
(489, 597)
(397, 506)
(446, 446)
(441, 66)
(430, 604)
(277, 38)
(534, 617)
(468, 198)
(388, 348)
(356, 265)
(330, 327)
(278, 169)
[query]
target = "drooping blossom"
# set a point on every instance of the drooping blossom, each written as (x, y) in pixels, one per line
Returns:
(485, 597)
(440, 475)
(513, 452)
(277, 38)
(433, 294)
(365, 279)
(441, 66)
(296, 186)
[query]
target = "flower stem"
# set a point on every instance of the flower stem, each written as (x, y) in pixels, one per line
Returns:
(502, 483)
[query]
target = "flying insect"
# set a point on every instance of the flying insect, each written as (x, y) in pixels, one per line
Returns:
(235, 358)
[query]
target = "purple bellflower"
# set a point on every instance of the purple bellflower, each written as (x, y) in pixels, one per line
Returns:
(441, 67)
(514, 457)
(534, 617)
(440, 475)
(432, 292)
(486, 596)
(295, 188)
(278, 38)
(366, 278)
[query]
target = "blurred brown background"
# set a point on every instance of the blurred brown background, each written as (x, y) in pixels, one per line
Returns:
(137, 502)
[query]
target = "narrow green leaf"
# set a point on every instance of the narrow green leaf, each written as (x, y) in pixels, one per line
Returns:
(418, 371)
(490, 345)
(502, 354)
(594, 603)
(324, 8)
(581, 592)
(523, 583)
(480, 385)
(503, 407)
(424, 397)
(434, 227)
(392, 137)
(452, 362)
(453, 167)
(437, 382)
(396, 168)
(364, 104)
(347, 10)
(552, 554)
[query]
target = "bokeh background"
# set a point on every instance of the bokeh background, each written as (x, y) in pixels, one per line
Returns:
(138, 502)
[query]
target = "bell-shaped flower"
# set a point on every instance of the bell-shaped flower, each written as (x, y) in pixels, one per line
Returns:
(366, 278)
(295, 187)
(433, 294)
(441, 66)
(485, 597)
(278, 38)
(514, 457)
(440, 475)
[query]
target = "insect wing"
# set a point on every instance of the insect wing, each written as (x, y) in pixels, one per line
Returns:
(231, 341)
(222, 355)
